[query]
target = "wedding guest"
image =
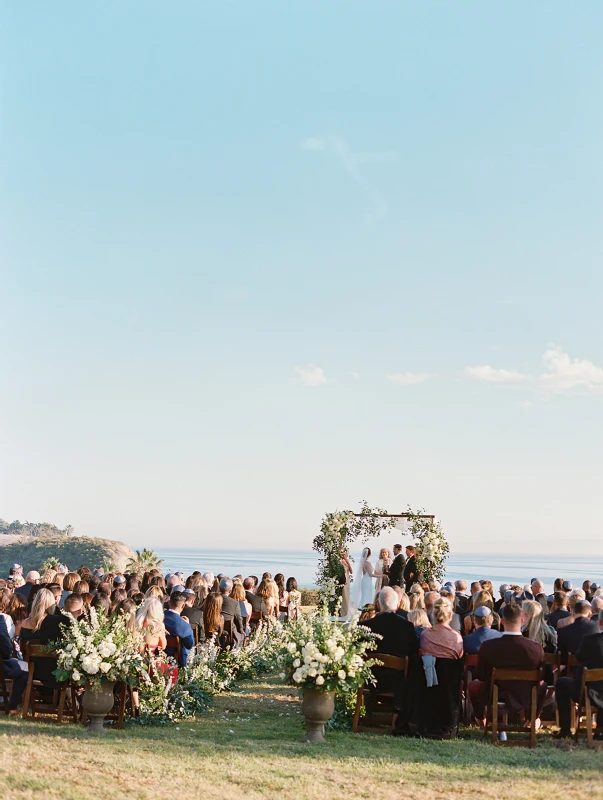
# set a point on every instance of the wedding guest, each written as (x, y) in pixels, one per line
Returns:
(440, 640)
(367, 612)
(176, 626)
(12, 669)
(538, 592)
(279, 579)
(213, 621)
(575, 596)
(560, 609)
(150, 619)
(416, 597)
(51, 629)
(455, 621)
(483, 618)
(69, 582)
(533, 626)
(31, 579)
(43, 604)
(257, 603)
(231, 610)
(419, 620)
(382, 568)
(481, 598)
(403, 602)
(265, 592)
(101, 604)
(460, 605)
(569, 638)
(294, 598)
(155, 591)
(238, 595)
(4, 615)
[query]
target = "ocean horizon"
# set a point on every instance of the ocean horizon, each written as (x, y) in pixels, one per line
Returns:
(302, 564)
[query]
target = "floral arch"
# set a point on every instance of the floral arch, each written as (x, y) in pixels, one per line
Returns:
(339, 529)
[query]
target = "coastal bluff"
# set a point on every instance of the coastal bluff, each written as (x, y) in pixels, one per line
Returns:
(33, 551)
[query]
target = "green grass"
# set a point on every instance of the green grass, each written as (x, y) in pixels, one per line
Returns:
(249, 744)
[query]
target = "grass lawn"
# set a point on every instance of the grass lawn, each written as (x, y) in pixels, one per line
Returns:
(249, 744)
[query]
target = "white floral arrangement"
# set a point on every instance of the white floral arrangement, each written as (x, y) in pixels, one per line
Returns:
(319, 653)
(97, 650)
(432, 547)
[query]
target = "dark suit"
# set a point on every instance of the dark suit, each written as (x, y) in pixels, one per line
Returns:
(569, 638)
(460, 603)
(410, 569)
(258, 606)
(24, 590)
(195, 620)
(506, 652)
(590, 655)
(232, 610)
(542, 598)
(11, 668)
(176, 626)
(396, 570)
(399, 639)
(554, 617)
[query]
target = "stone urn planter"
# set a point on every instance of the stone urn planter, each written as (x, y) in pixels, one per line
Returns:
(318, 708)
(97, 702)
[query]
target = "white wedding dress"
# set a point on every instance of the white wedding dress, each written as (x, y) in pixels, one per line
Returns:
(367, 584)
(363, 586)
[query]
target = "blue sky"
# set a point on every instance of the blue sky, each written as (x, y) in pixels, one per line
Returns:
(261, 261)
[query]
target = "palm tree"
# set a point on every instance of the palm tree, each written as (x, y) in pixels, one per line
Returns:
(144, 561)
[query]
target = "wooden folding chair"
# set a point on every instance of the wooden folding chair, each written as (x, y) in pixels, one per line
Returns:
(5, 687)
(285, 611)
(552, 660)
(470, 662)
(173, 643)
(571, 664)
(588, 676)
(226, 639)
(35, 699)
(380, 707)
(532, 676)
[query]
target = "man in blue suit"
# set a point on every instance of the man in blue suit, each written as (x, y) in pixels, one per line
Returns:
(12, 669)
(175, 625)
(483, 631)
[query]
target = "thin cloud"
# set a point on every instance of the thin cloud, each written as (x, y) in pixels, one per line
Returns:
(311, 375)
(351, 163)
(489, 374)
(564, 372)
(408, 378)
(355, 375)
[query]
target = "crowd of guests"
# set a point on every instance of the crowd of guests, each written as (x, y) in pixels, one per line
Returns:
(436, 626)
(174, 613)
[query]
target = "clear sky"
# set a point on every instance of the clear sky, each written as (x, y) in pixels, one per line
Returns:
(264, 260)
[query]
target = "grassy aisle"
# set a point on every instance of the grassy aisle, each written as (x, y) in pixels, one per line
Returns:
(249, 743)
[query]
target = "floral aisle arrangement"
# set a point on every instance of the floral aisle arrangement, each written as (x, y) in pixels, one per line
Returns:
(337, 531)
(98, 650)
(323, 657)
(432, 547)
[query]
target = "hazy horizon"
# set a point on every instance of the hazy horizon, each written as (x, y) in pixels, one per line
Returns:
(263, 262)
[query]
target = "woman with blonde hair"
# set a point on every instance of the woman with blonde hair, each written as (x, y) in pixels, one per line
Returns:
(478, 600)
(43, 604)
(420, 620)
(382, 566)
(416, 596)
(155, 591)
(238, 594)
(149, 618)
(533, 626)
(440, 640)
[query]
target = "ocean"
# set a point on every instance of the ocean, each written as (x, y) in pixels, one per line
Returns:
(497, 567)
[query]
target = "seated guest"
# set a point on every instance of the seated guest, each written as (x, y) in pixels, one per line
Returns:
(12, 670)
(416, 597)
(570, 637)
(176, 626)
(150, 619)
(69, 581)
(231, 610)
(567, 690)
(257, 603)
(483, 618)
(539, 595)
(440, 640)
(455, 621)
(398, 639)
(419, 620)
(461, 597)
(193, 614)
(509, 651)
(502, 590)
(560, 609)
(481, 598)
(213, 621)
(534, 626)
(403, 602)
(31, 579)
(368, 612)
(4, 615)
(575, 596)
(294, 598)
(264, 590)
(238, 595)
(101, 603)
(43, 604)
(51, 629)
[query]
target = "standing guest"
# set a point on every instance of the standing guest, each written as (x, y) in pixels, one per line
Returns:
(560, 610)
(509, 651)
(409, 572)
(175, 625)
(31, 579)
(382, 568)
(570, 637)
(440, 640)
(12, 670)
(396, 569)
(539, 595)
(483, 618)
(533, 626)
(590, 656)
(294, 598)
(213, 621)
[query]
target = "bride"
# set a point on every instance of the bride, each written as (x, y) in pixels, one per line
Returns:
(363, 588)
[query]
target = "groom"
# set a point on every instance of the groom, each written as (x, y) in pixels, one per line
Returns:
(397, 567)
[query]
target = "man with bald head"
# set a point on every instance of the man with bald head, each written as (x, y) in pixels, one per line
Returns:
(31, 579)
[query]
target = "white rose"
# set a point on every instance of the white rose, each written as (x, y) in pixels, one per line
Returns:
(297, 676)
(296, 663)
(320, 680)
(341, 674)
(105, 667)
(291, 647)
(75, 675)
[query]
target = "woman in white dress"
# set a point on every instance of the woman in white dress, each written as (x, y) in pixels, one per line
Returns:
(363, 588)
